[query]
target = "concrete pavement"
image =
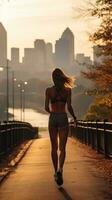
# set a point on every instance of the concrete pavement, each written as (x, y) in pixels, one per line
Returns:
(33, 178)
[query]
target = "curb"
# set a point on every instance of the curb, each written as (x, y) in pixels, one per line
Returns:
(16, 160)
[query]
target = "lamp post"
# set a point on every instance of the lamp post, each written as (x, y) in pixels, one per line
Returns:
(1, 70)
(7, 87)
(20, 86)
(13, 92)
(22, 99)
(7, 69)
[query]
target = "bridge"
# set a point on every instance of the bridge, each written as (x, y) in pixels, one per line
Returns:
(32, 178)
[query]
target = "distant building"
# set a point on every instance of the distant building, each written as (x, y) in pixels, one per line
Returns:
(87, 60)
(80, 58)
(29, 58)
(98, 58)
(62, 57)
(40, 48)
(83, 60)
(82, 63)
(64, 50)
(3, 46)
(69, 36)
(49, 55)
(15, 55)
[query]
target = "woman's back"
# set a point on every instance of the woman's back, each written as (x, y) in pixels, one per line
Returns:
(58, 98)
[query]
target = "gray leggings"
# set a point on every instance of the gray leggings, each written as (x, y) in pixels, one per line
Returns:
(58, 120)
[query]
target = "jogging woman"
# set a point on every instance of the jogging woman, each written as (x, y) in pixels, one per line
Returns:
(57, 97)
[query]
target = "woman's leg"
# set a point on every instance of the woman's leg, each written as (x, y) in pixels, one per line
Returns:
(54, 146)
(63, 135)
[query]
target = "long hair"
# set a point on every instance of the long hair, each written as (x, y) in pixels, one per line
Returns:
(60, 79)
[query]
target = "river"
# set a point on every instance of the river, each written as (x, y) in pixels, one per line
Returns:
(31, 116)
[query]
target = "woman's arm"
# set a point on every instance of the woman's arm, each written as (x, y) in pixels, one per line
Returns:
(47, 100)
(69, 106)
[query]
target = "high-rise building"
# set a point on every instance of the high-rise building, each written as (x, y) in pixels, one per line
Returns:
(49, 55)
(64, 50)
(69, 36)
(62, 58)
(3, 46)
(29, 58)
(15, 55)
(40, 48)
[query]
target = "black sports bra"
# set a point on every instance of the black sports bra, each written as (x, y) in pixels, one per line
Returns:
(58, 98)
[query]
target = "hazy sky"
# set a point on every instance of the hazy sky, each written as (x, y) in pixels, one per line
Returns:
(27, 20)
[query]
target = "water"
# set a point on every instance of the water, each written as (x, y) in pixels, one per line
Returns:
(33, 117)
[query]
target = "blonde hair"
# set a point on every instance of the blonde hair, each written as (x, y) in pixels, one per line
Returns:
(60, 79)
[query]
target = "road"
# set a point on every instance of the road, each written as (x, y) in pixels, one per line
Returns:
(33, 178)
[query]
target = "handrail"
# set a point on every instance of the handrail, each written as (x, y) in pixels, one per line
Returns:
(14, 133)
(94, 133)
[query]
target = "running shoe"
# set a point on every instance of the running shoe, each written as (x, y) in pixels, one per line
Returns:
(59, 178)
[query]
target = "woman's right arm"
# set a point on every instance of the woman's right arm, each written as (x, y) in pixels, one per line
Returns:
(69, 106)
(47, 100)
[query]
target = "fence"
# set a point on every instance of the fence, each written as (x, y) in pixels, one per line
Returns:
(96, 134)
(12, 134)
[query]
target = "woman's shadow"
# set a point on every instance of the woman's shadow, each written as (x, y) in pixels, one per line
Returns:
(65, 194)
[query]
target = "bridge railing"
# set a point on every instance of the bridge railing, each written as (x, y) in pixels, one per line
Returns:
(12, 134)
(94, 133)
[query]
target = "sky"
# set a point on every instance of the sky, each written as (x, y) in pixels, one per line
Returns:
(27, 20)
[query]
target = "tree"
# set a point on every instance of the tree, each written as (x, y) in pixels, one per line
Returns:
(101, 74)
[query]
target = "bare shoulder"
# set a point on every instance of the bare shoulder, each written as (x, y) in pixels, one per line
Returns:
(48, 90)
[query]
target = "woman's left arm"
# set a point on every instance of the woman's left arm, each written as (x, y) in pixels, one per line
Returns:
(47, 100)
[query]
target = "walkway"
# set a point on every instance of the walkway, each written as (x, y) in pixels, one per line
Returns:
(33, 178)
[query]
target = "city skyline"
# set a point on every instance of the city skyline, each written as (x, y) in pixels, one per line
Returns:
(41, 57)
(27, 20)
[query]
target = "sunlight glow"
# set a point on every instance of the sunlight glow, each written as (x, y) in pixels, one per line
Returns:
(26, 20)
(1, 69)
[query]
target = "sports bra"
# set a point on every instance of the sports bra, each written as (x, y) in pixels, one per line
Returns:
(58, 98)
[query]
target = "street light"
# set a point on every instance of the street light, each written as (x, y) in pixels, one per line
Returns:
(22, 99)
(7, 83)
(20, 86)
(1, 69)
(13, 92)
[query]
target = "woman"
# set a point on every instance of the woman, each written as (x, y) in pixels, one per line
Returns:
(57, 97)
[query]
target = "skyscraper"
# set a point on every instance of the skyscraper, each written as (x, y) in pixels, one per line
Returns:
(68, 35)
(64, 50)
(3, 46)
(49, 55)
(29, 59)
(40, 48)
(15, 55)
(62, 53)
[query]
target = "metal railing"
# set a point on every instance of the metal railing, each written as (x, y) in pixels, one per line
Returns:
(96, 134)
(12, 134)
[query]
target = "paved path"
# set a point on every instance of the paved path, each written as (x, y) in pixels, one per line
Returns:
(33, 178)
